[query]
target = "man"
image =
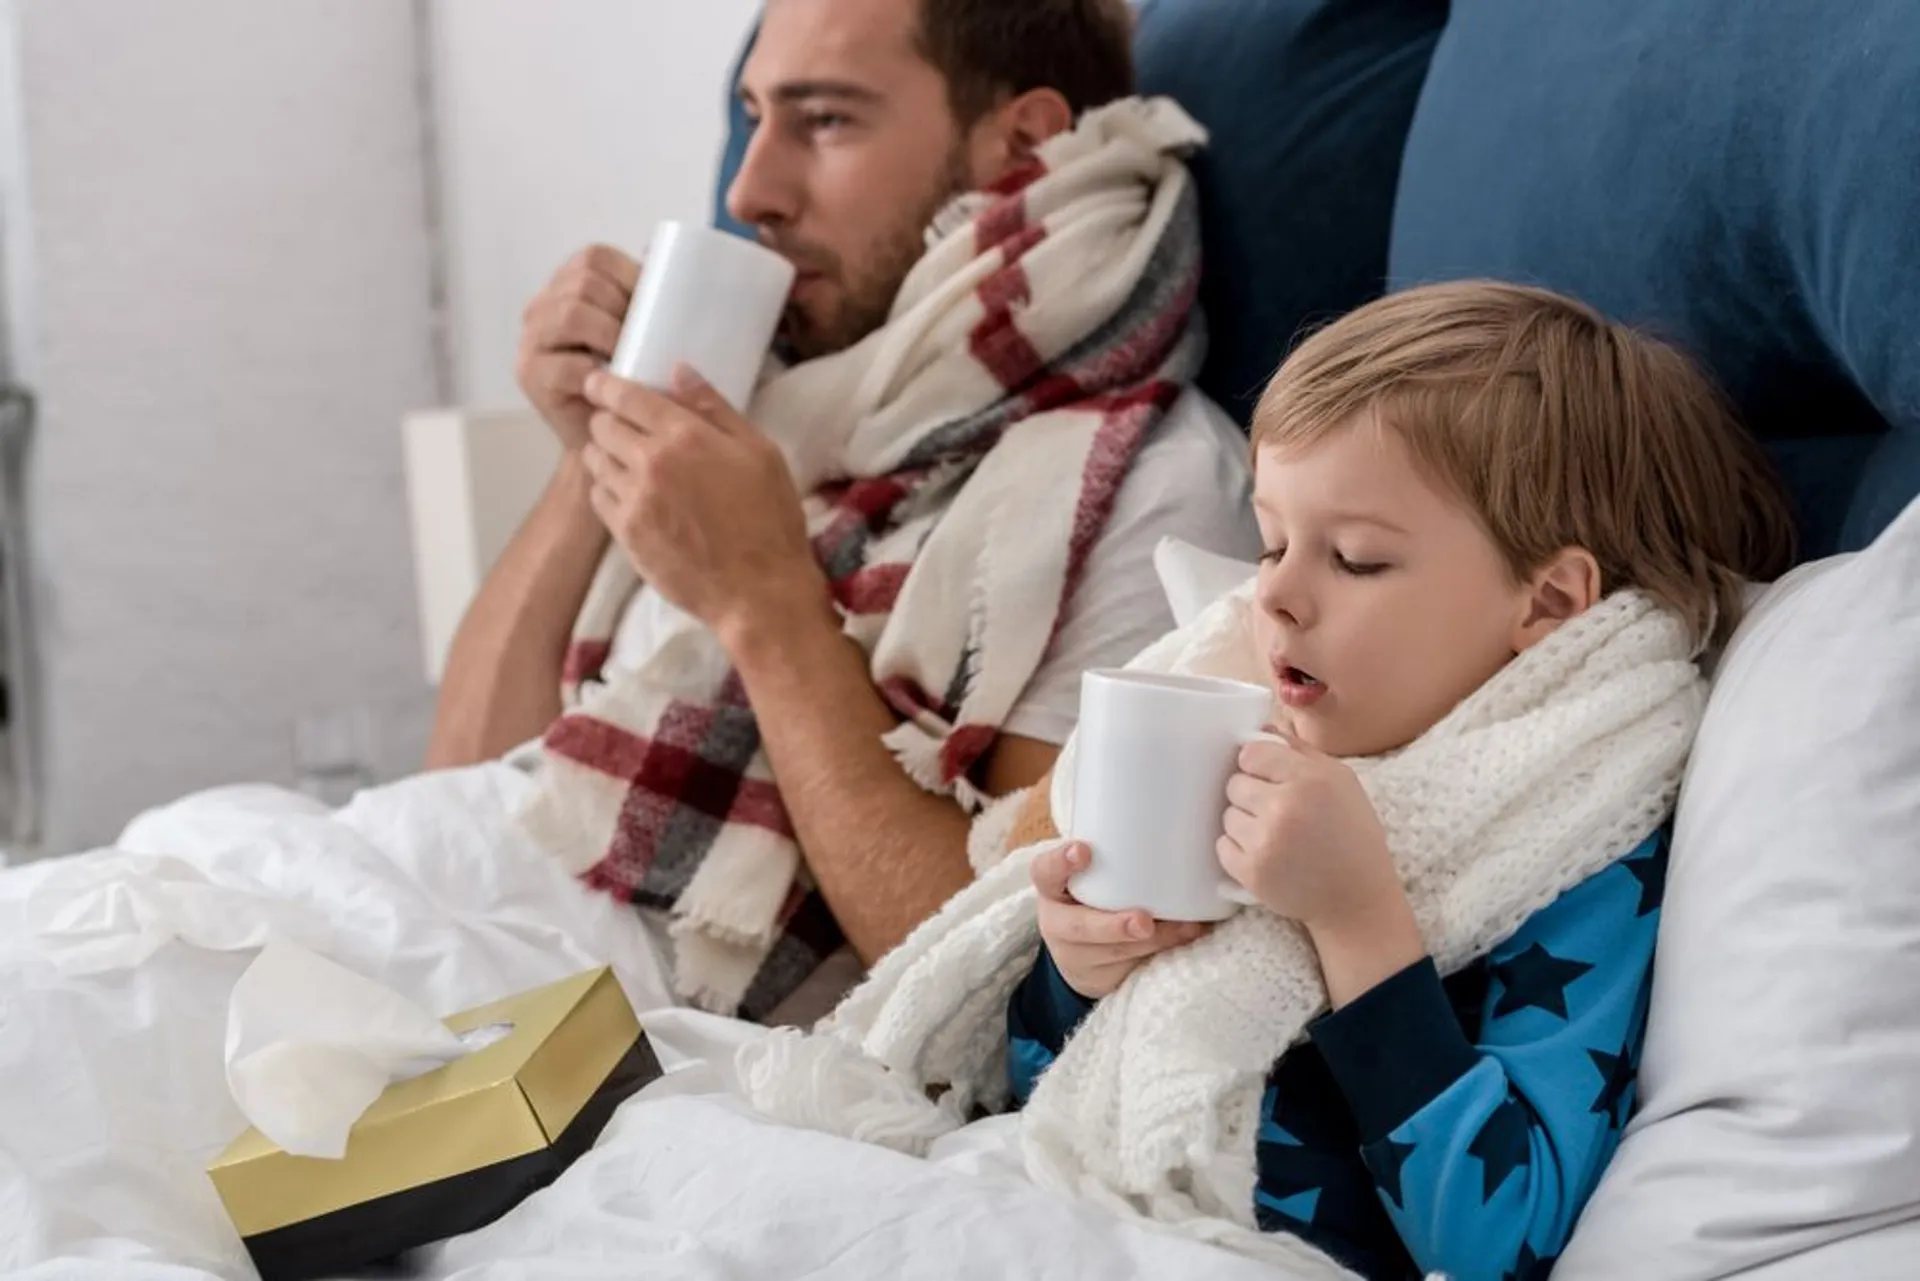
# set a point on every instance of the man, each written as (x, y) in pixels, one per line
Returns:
(872, 116)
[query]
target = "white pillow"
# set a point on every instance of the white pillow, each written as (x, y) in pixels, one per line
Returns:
(1193, 577)
(1780, 1094)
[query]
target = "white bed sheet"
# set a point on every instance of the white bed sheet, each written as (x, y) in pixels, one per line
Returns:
(113, 1098)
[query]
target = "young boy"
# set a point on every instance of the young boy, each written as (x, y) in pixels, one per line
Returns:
(1443, 479)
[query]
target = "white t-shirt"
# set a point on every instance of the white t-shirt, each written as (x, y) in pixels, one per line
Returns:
(1190, 481)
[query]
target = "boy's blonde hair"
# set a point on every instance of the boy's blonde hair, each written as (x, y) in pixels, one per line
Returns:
(1559, 429)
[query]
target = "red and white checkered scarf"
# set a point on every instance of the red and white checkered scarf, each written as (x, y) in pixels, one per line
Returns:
(961, 463)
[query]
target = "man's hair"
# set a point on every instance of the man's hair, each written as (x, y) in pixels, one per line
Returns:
(992, 50)
(1559, 429)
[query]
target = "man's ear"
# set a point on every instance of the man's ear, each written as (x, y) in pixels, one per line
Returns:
(1567, 586)
(1010, 134)
(1034, 117)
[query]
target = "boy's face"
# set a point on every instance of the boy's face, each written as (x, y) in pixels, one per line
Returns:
(1383, 601)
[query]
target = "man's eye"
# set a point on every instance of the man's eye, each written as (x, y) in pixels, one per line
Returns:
(1272, 555)
(821, 121)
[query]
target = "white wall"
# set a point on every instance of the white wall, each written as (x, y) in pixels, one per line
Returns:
(221, 263)
(224, 308)
(563, 123)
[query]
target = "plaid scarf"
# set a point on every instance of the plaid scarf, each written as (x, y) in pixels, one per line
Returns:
(961, 463)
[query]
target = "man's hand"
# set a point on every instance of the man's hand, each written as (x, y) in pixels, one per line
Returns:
(702, 503)
(1095, 951)
(569, 330)
(1302, 837)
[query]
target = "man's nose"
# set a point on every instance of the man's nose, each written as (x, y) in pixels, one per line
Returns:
(764, 193)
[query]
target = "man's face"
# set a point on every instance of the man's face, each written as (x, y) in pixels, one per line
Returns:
(856, 148)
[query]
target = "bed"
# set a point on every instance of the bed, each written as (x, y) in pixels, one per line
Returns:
(113, 1099)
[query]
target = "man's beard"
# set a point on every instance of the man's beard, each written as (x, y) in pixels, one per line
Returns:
(868, 290)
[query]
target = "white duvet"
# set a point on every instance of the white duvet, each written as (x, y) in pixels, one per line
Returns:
(113, 1097)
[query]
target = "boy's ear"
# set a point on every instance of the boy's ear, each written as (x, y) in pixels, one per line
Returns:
(1567, 586)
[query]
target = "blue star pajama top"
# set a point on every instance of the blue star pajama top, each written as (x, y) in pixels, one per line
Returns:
(1454, 1126)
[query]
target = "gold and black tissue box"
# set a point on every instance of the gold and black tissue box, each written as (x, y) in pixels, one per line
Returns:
(450, 1151)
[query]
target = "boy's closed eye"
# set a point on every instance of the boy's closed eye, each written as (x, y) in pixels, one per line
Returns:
(1355, 566)
(1359, 568)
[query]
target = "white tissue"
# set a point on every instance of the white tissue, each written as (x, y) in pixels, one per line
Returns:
(311, 1045)
(1193, 577)
(112, 913)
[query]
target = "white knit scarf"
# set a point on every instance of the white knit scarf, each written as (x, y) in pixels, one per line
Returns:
(1557, 767)
(959, 464)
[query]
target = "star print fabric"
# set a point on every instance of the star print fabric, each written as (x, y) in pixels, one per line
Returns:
(1455, 1127)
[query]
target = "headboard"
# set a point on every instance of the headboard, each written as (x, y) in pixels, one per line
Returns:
(1743, 179)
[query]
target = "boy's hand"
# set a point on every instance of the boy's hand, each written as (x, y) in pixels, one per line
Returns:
(1302, 837)
(1095, 950)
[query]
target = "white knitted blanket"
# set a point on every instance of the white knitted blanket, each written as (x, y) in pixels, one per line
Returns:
(1560, 765)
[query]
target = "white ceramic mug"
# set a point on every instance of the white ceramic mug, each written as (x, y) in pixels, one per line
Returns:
(1152, 758)
(710, 299)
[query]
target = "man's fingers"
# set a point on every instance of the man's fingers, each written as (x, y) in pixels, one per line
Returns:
(605, 260)
(562, 374)
(605, 504)
(567, 324)
(657, 415)
(638, 404)
(699, 395)
(605, 469)
(1053, 867)
(618, 439)
(596, 291)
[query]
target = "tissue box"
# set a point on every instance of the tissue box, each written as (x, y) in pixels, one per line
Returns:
(454, 1149)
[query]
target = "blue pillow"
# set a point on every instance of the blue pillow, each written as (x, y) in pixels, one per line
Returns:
(739, 134)
(1308, 102)
(1740, 177)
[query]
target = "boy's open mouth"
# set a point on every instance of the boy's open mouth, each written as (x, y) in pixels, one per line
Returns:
(1297, 687)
